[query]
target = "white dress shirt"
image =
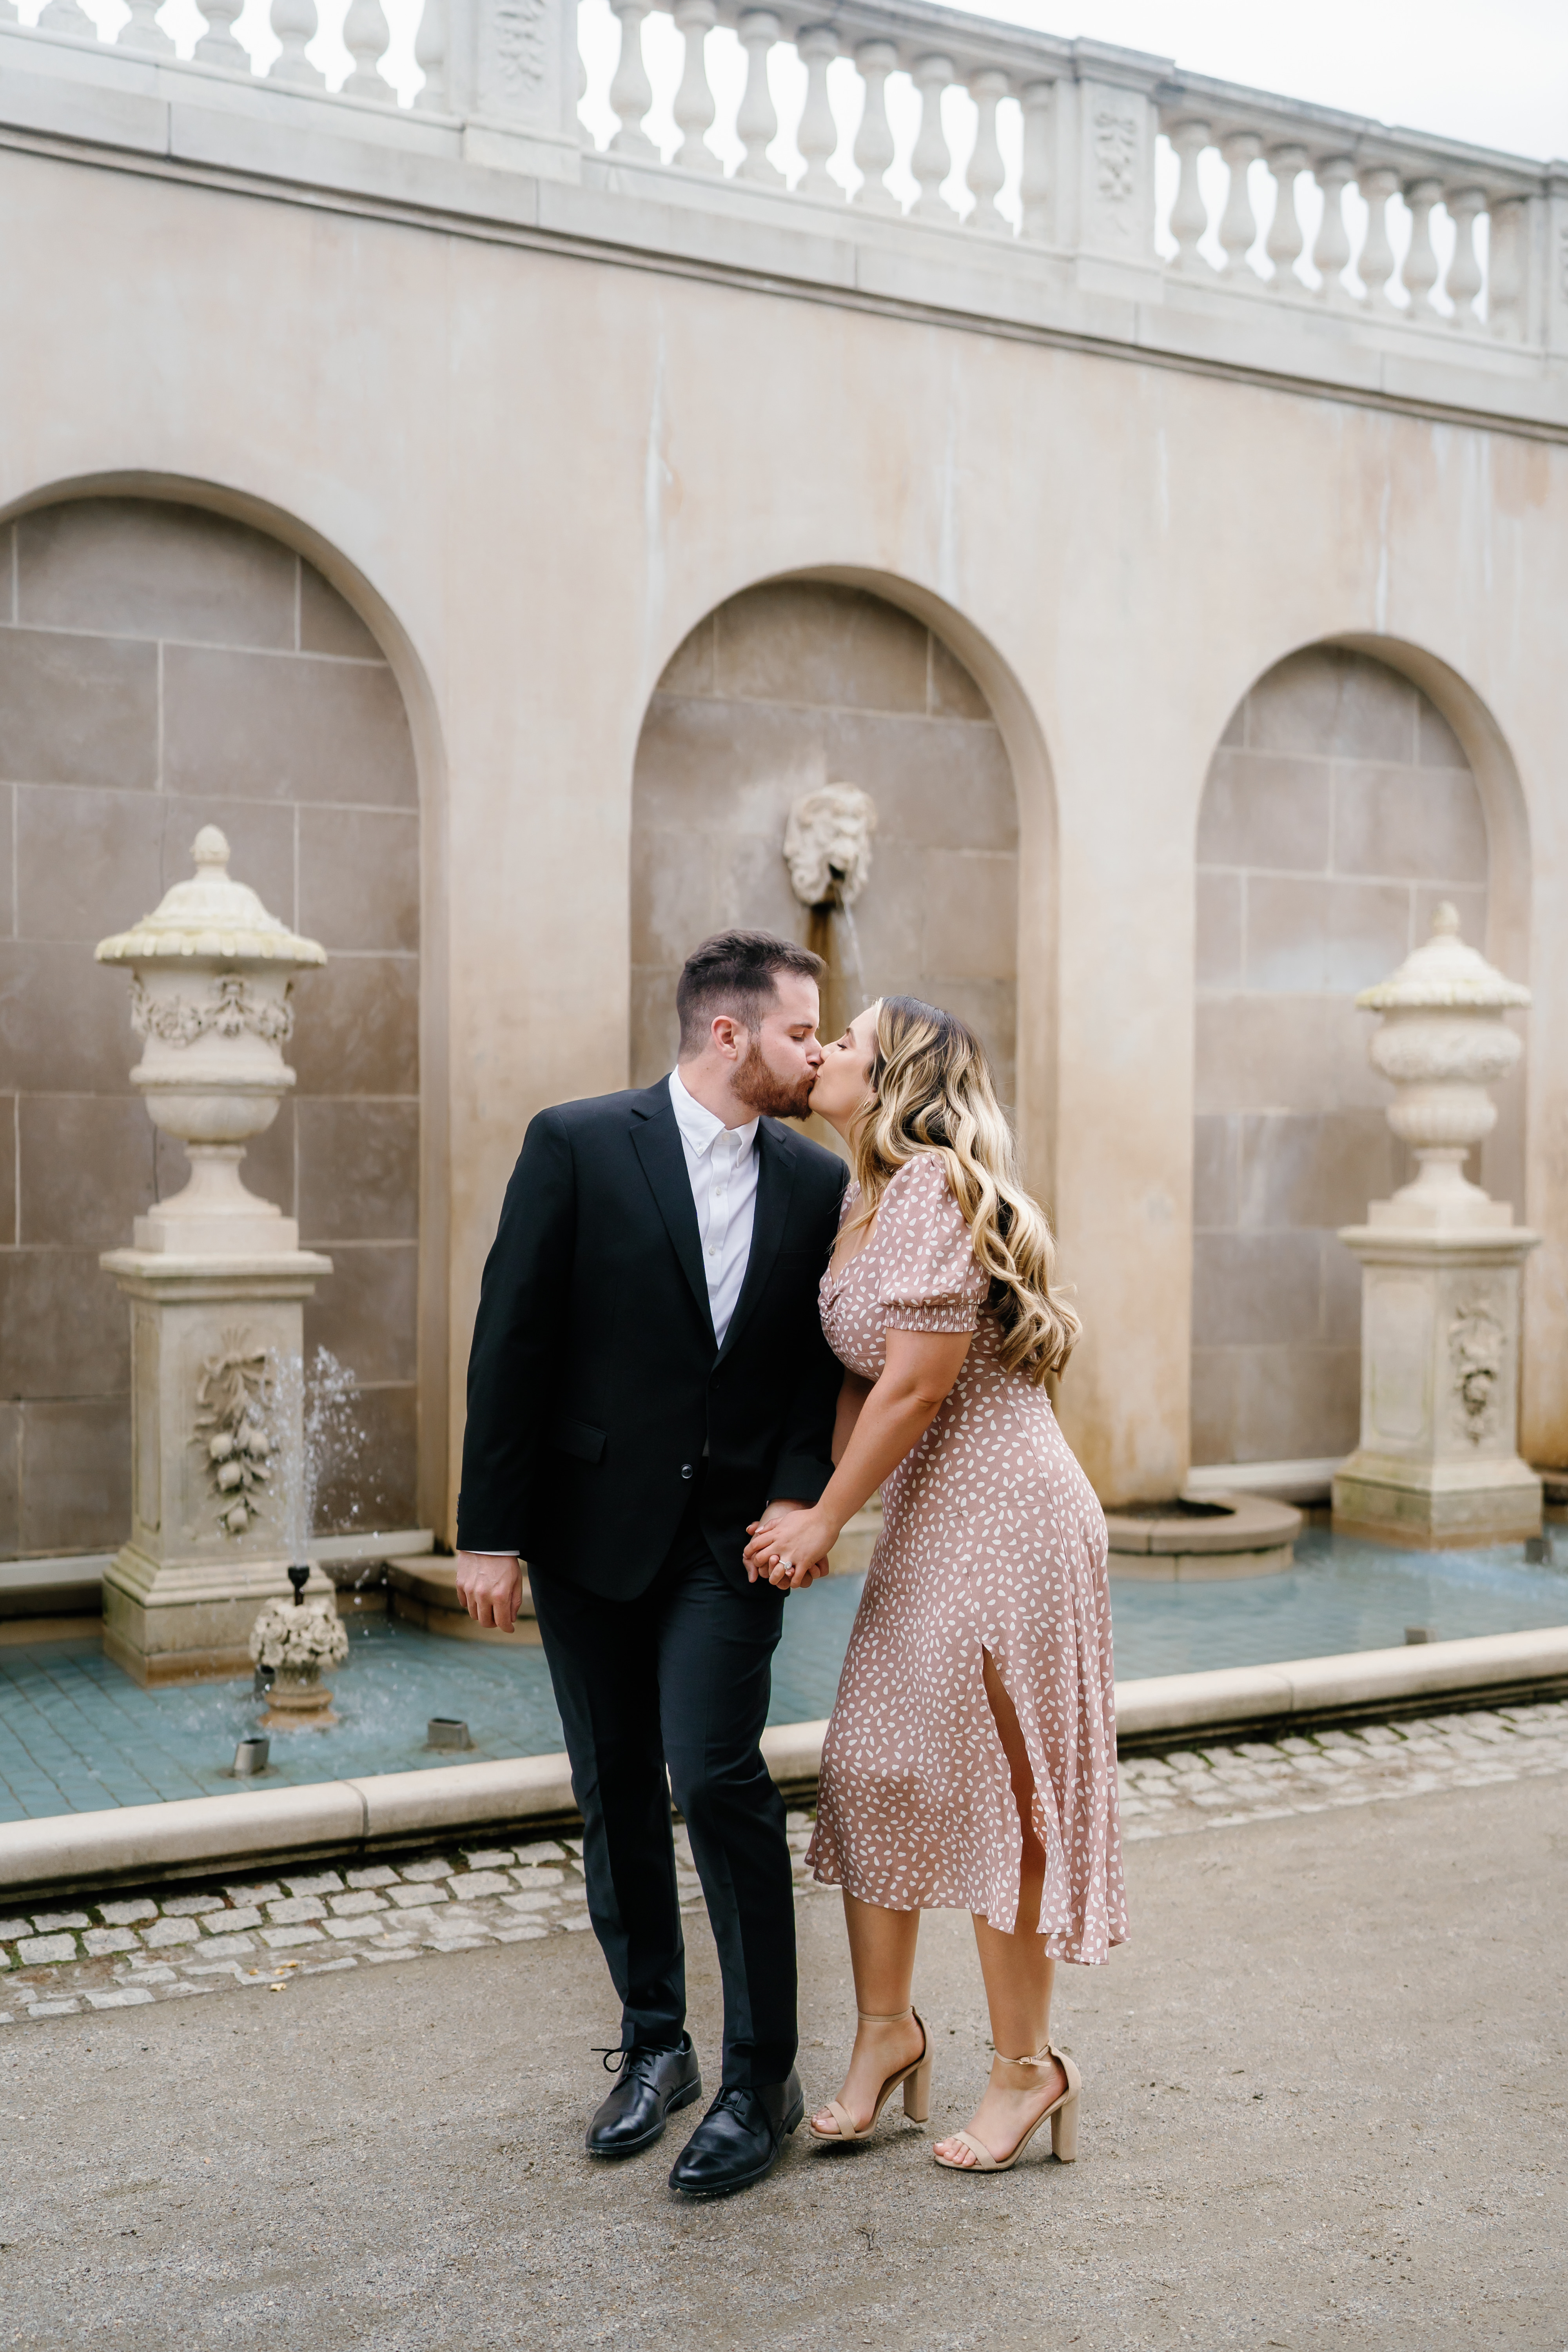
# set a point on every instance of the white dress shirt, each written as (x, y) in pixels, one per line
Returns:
(722, 1163)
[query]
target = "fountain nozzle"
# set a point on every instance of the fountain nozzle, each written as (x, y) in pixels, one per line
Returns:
(298, 1578)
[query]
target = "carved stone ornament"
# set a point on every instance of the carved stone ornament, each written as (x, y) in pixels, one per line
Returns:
(1115, 154)
(1476, 1344)
(518, 35)
(211, 975)
(1443, 1041)
(827, 844)
(234, 1398)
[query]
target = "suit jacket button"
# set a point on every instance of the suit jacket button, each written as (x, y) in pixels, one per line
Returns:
(686, 1470)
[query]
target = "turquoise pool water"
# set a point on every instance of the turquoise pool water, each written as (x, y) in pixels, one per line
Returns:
(77, 1735)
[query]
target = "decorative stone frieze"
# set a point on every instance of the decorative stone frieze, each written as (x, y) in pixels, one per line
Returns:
(1437, 1463)
(217, 1283)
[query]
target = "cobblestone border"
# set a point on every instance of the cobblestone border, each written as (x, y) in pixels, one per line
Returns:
(172, 1941)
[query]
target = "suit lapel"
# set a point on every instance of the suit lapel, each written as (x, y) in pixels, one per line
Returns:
(775, 1180)
(656, 1138)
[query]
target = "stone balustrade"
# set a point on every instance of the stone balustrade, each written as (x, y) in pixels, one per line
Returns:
(908, 126)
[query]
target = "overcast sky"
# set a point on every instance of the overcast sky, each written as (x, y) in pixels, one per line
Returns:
(1494, 72)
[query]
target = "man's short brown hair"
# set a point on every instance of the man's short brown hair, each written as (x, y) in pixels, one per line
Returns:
(736, 972)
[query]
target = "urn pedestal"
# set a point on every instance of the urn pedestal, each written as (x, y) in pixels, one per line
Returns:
(217, 1284)
(1437, 1464)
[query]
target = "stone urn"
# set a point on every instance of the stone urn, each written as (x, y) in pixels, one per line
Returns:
(1438, 1464)
(211, 975)
(215, 1281)
(295, 1640)
(1443, 1041)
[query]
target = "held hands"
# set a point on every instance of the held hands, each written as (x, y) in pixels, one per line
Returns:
(789, 1546)
(489, 1588)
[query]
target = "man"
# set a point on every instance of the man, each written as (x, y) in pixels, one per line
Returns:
(649, 1375)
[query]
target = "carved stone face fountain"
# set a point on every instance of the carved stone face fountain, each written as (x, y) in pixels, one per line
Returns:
(1437, 1464)
(217, 1283)
(828, 849)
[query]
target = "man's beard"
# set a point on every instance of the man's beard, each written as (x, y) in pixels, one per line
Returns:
(761, 1088)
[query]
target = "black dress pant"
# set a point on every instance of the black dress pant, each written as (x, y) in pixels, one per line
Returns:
(681, 1676)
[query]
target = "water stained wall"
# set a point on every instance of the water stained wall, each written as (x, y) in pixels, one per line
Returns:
(785, 688)
(163, 668)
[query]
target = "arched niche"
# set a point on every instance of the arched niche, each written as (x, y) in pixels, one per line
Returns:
(1358, 782)
(847, 676)
(174, 654)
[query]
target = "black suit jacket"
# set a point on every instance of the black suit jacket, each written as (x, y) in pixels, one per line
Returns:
(594, 1383)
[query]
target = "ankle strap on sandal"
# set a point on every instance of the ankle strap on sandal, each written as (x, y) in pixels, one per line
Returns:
(1041, 2058)
(869, 2017)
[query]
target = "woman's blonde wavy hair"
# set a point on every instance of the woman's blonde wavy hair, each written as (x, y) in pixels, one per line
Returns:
(931, 1090)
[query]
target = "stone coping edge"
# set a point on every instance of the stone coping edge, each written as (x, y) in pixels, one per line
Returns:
(201, 1836)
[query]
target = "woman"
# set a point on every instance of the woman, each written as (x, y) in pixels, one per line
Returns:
(971, 1758)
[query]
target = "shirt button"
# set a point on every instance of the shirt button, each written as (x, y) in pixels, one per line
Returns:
(686, 1470)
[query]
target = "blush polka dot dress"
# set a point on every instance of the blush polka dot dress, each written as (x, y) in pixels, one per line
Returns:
(992, 1540)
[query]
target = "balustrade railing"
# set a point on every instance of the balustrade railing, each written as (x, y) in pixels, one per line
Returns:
(1164, 185)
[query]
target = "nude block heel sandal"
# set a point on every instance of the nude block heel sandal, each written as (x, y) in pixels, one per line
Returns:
(1061, 2115)
(915, 2078)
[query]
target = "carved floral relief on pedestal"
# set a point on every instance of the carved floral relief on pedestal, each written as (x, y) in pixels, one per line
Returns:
(229, 1009)
(1476, 1343)
(234, 1400)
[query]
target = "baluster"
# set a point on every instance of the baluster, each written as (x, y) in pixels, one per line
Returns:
(217, 45)
(1285, 237)
(66, 16)
(874, 147)
(694, 108)
(1189, 214)
(1463, 282)
(1505, 270)
(986, 171)
(1238, 225)
(1374, 265)
(1037, 186)
(931, 161)
(817, 134)
(1419, 274)
(1332, 249)
(294, 26)
(757, 122)
(143, 32)
(431, 57)
(366, 34)
(631, 92)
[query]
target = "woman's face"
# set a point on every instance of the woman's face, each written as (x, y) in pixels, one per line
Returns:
(844, 1081)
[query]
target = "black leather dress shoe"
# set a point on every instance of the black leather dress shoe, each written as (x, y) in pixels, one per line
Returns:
(653, 2084)
(739, 2139)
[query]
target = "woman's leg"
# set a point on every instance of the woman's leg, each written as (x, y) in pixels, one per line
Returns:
(1018, 1977)
(882, 1955)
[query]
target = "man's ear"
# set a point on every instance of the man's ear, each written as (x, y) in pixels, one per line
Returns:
(728, 1037)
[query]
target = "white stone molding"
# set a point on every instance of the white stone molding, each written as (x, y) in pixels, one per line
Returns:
(1374, 264)
(431, 57)
(1419, 274)
(1332, 249)
(67, 17)
(827, 844)
(1285, 241)
(1238, 223)
(142, 32)
(1189, 214)
(1463, 280)
(294, 24)
(1037, 184)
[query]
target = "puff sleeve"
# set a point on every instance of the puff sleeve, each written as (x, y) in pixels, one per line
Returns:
(928, 1279)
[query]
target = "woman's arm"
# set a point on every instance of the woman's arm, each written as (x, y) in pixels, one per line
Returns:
(852, 1395)
(890, 1420)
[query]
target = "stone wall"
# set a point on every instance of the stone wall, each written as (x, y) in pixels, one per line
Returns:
(161, 668)
(1338, 809)
(794, 685)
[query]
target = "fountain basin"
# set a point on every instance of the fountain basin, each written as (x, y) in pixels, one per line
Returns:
(1198, 1538)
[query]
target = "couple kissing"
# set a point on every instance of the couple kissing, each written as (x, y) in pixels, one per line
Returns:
(703, 1345)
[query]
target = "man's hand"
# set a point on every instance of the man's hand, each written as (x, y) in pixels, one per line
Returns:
(489, 1588)
(762, 1559)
